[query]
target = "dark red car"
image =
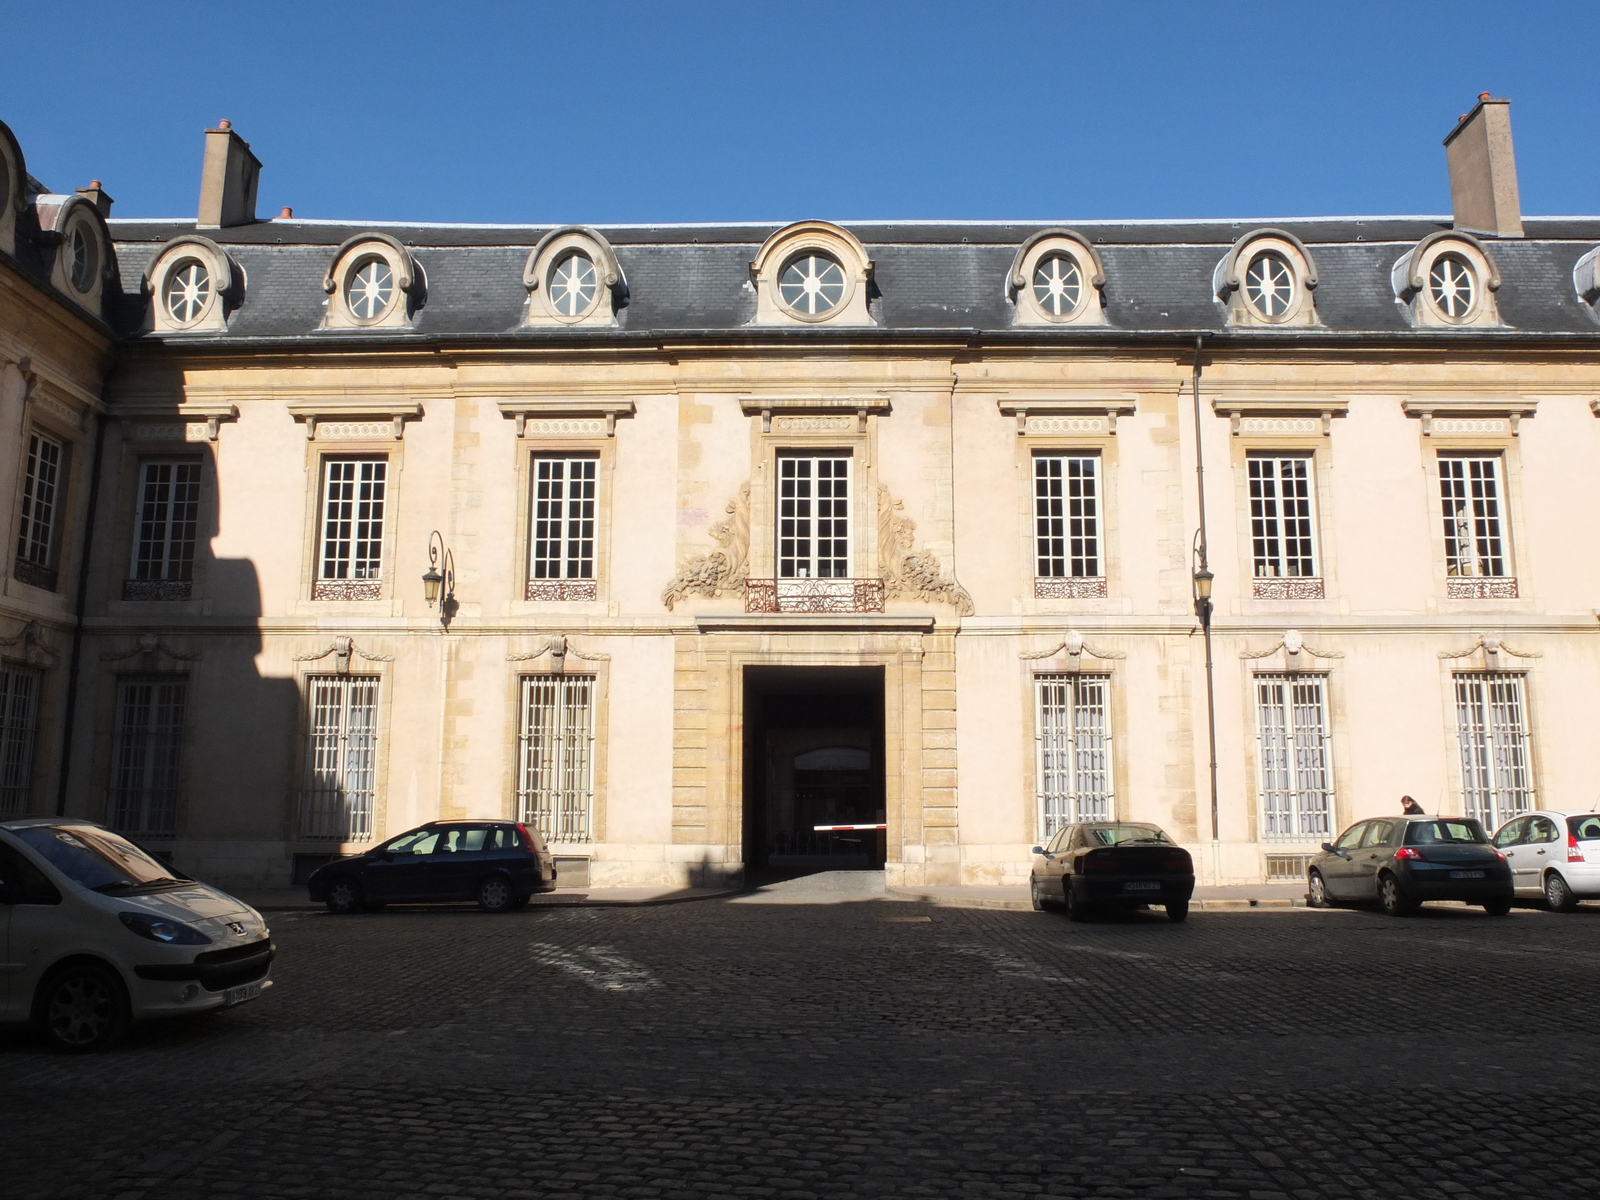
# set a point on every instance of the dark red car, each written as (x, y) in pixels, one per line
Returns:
(1112, 864)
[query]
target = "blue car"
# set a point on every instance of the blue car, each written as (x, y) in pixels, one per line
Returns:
(1402, 861)
(500, 864)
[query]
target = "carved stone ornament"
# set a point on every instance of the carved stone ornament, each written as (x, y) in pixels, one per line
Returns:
(1491, 646)
(559, 650)
(150, 647)
(722, 570)
(908, 573)
(343, 649)
(28, 646)
(1073, 646)
(1293, 645)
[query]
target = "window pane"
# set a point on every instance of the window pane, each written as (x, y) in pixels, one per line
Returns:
(562, 546)
(1074, 750)
(1496, 762)
(1282, 537)
(555, 788)
(1066, 504)
(167, 521)
(145, 755)
(814, 517)
(40, 487)
(352, 518)
(1296, 769)
(19, 718)
(341, 757)
(1469, 492)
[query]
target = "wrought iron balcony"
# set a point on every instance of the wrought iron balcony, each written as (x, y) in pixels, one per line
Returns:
(813, 595)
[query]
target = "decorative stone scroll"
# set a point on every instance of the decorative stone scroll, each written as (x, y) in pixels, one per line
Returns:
(354, 431)
(1471, 417)
(773, 409)
(1293, 645)
(350, 420)
(28, 646)
(168, 421)
(1280, 416)
(1089, 587)
(343, 649)
(157, 589)
(722, 570)
(347, 589)
(1074, 647)
(150, 648)
(1481, 587)
(561, 589)
(1288, 587)
(579, 416)
(1092, 416)
(909, 573)
(1064, 425)
(1286, 426)
(1491, 646)
(813, 424)
(559, 649)
(559, 427)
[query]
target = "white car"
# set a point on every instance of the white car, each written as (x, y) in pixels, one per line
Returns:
(95, 934)
(1555, 855)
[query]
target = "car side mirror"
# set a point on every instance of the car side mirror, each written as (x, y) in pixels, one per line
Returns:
(1038, 850)
(1328, 847)
(386, 855)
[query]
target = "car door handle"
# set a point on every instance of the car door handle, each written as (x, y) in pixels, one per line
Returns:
(1542, 852)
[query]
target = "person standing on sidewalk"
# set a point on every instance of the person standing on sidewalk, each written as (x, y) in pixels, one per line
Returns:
(1410, 807)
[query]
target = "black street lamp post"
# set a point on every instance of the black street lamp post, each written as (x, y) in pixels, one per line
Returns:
(440, 575)
(1201, 587)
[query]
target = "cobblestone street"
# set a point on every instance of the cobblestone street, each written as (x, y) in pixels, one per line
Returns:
(862, 1049)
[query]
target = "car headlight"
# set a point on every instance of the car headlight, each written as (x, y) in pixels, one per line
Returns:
(158, 929)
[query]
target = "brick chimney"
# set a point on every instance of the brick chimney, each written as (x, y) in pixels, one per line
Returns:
(228, 180)
(1483, 170)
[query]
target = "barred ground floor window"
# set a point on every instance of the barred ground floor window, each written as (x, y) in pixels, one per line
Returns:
(1496, 760)
(147, 749)
(341, 757)
(1074, 750)
(19, 728)
(1296, 763)
(555, 774)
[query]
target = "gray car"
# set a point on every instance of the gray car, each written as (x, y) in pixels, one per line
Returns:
(1402, 861)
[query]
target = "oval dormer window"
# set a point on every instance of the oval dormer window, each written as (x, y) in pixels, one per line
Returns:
(85, 257)
(812, 284)
(1057, 285)
(574, 284)
(1452, 287)
(370, 290)
(1269, 284)
(187, 290)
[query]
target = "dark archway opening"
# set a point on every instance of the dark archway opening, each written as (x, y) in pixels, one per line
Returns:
(813, 756)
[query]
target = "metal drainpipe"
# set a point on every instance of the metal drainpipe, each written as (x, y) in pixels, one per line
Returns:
(77, 622)
(1205, 625)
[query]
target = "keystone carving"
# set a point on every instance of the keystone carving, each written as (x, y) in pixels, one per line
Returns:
(559, 650)
(343, 650)
(722, 570)
(149, 647)
(1292, 644)
(909, 573)
(1491, 645)
(1075, 647)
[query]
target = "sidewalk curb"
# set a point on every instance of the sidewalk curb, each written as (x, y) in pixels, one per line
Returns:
(1023, 905)
(544, 900)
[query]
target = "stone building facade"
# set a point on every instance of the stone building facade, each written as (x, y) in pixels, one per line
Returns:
(682, 541)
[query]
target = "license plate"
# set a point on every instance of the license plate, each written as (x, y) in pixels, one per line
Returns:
(238, 995)
(1466, 874)
(1152, 885)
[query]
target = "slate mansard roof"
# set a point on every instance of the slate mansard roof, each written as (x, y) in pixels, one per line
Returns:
(934, 278)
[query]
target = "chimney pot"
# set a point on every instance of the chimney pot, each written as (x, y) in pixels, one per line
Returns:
(228, 179)
(286, 214)
(1483, 171)
(1483, 95)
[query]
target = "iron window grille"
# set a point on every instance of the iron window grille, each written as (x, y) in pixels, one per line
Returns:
(19, 729)
(41, 487)
(1469, 494)
(563, 518)
(555, 756)
(1296, 757)
(1073, 749)
(164, 531)
(1066, 516)
(353, 502)
(341, 758)
(1282, 525)
(1496, 760)
(814, 516)
(147, 753)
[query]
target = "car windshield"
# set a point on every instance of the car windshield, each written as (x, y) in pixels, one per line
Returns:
(1121, 835)
(95, 858)
(1585, 829)
(1433, 833)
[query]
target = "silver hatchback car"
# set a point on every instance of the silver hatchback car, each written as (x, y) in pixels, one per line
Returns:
(1554, 854)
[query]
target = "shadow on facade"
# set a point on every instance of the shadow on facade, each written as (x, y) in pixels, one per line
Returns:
(813, 756)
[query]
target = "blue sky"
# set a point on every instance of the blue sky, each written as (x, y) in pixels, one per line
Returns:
(635, 112)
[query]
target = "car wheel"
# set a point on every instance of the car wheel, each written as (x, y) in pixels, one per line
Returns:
(1177, 910)
(1317, 891)
(82, 1008)
(1393, 898)
(1033, 893)
(1497, 908)
(1558, 895)
(1077, 910)
(343, 896)
(495, 895)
